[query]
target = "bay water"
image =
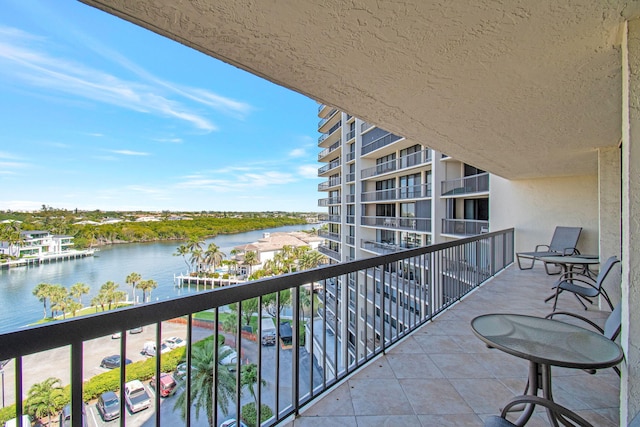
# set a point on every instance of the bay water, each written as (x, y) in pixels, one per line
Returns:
(19, 307)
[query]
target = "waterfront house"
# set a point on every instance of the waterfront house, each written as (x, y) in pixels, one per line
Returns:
(37, 243)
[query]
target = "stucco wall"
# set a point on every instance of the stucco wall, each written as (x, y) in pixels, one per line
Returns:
(535, 207)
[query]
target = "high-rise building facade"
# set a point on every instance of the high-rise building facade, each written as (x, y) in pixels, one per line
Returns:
(385, 193)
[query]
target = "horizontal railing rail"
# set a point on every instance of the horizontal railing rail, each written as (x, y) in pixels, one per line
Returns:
(392, 295)
(470, 184)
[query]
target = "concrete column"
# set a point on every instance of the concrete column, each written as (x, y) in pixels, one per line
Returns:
(630, 339)
(609, 204)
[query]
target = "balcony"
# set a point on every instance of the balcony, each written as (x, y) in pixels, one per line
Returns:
(334, 182)
(442, 374)
(324, 153)
(464, 227)
(328, 235)
(414, 159)
(400, 193)
(329, 167)
(465, 186)
(329, 201)
(329, 218)
(403, 223)
(324, 121)
(428, 365)
(330, 252)
(379, 143)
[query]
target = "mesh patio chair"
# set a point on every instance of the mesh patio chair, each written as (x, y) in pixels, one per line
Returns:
(583, 286)
(563, 243)
(570, 418)
(611, 330)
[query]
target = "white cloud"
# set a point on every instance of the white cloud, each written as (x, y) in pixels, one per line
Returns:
(298, 152)
(129, 153)
(308, 171)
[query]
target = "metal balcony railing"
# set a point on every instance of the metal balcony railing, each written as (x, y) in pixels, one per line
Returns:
(329, 235)
(329, 218)
(350, 156)
(329, 150)
(332, 113)
(323, 186)
(379, 143)
(329, 166)
(402, 223)
(350, 135)
(414, 159)
(309, 357)
(329, 252)
(464, 227)
(400, 193)
(467, 185)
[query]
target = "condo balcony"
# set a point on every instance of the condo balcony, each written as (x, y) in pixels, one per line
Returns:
(350, 156)
(326, 185)
(466, 186)
(334, 254)
(329, 235)
(334, 148)
(379, 143)
(400, 193)
(329, 167)
(398, 223)
(329, 201)
(419, 158)
(327, 119)
(329, 218)
(330, 135)
(350, 135)
(464, 227)
(414, 365)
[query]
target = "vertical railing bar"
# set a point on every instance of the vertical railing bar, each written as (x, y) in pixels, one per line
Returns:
(278, 347)
(310, 345)
(324, 335)
(356, 319)
(295, 352)
(187, 400)
(259, 367)
(123, 376)
(336, 373)
(76, 383)
(18, 385)
(238, 361)
(157, 369)
(216, 364)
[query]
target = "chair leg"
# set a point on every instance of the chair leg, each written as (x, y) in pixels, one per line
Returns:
(555, 302)
(533, 261)
(580, 301)
(551, 273)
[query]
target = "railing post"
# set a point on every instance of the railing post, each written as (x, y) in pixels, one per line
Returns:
(295, 351)
(76, 384)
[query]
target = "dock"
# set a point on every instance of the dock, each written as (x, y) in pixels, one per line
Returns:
(48, 258)
(212, 282)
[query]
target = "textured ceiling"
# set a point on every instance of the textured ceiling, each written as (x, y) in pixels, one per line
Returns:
(519, 88)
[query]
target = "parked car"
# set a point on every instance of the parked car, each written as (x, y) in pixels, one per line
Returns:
(136, 396)
(13, 422)
(231, 358)
(167, 384)
(108, 406)
(113, 361)
(180, 372)
(232, 423)
(136, 330)
(175, 342)
(149, 348)
(65, 416)
(116, 335)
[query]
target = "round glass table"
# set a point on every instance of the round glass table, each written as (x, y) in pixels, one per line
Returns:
(545, 343)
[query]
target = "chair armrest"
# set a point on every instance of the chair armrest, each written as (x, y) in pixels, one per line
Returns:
(580, 280)
(576, 316)
(558, 410)
(541, 246)
(573, 275)
(570, 251)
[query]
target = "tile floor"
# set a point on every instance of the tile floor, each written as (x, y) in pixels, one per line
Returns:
(443, 375)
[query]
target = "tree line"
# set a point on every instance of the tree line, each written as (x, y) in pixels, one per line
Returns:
(59, 300)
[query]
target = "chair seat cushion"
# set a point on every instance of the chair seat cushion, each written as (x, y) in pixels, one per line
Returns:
(586, 291)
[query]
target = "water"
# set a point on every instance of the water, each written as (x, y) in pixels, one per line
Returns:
(18, 306)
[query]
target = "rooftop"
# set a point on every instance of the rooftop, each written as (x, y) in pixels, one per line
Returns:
(442, 374)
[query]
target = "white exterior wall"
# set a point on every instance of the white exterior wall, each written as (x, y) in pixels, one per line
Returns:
(536, 206)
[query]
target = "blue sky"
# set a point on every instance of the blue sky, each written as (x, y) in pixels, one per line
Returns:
(98, 113)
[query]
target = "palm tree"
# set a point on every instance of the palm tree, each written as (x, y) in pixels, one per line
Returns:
(59, 297)
(132, 279)
(79, 289)
(43, 291)
(196, 258)
(111, 294)
(202, 383)
(251, 259)
(213, 255)
(45, 398)
(249, 378)
(183, 251)
(147, 286)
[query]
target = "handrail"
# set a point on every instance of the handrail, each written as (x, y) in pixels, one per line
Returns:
(458, 267)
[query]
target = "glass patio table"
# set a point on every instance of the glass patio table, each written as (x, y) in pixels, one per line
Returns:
(545, 343)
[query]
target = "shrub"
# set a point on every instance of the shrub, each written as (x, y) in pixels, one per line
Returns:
(249, 414)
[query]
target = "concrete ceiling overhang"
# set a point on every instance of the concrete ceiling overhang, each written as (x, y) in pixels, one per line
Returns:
(520, 88)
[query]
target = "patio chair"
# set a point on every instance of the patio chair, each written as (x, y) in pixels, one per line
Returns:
(611, 330)
(563, 243)
(583, 286)
(557, 410)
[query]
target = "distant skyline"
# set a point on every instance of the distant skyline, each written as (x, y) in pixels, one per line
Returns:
(98, 113)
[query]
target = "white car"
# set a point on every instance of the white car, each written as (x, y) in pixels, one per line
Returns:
(230, 359)
(175, 342)
(136, 396)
